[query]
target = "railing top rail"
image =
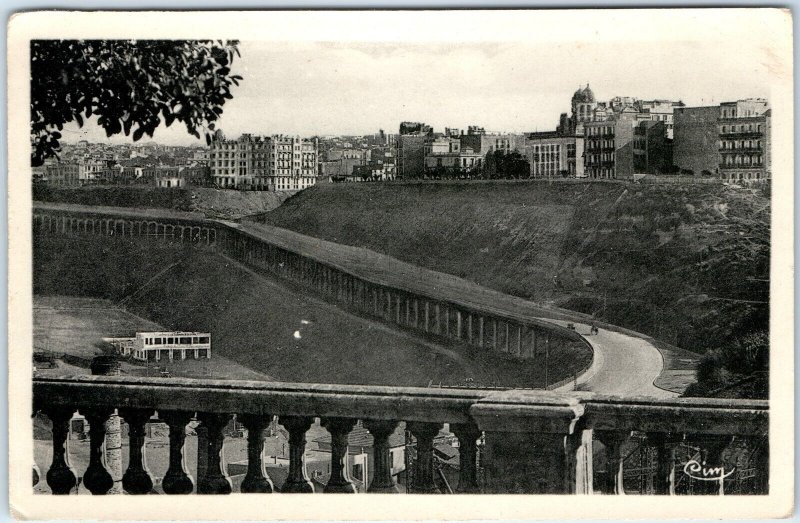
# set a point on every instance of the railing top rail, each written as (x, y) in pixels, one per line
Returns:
(697, 415)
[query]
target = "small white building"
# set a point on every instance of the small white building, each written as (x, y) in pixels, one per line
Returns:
(157, 346)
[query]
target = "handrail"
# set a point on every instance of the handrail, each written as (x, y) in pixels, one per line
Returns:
(408, 403)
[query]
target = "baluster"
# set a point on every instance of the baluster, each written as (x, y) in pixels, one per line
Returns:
(214, 480)
(665, 445)
(176, 480)
(96, 478)
(256, 480)
(382, 480)
(467, 435)
(136, 479)
(60, 478)
(297, 480)
(423, 482)
(339, 481)
(613, 440)
(579, 473)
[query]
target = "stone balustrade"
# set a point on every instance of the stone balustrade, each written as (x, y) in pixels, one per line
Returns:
(426, 311)
(521, 441)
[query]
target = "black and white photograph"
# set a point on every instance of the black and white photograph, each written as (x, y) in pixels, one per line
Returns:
(450, 253)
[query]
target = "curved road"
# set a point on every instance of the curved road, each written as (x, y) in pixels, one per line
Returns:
(622, 365)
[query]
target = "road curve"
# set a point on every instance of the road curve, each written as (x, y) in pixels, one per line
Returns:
(623, 365)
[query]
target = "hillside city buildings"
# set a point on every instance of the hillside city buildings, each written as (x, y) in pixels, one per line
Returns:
(624, 138)
(271, 163)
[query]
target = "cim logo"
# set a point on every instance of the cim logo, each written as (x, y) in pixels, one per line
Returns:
(701, 472)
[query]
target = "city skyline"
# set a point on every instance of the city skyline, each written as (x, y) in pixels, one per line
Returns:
(300, 88)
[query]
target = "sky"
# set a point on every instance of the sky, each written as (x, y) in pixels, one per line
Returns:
(336, 88)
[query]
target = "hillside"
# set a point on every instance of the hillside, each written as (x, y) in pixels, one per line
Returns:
(265, 325)
(215, 203)
(688, 264)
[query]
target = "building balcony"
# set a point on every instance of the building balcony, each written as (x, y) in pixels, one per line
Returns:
(510, 441)
(738, 150)
(743, 167)
(738, 135)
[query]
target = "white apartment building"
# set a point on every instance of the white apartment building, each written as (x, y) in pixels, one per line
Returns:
(274, 163)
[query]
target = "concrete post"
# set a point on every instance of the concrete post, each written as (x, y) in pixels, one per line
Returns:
(480, 331)
(106, 366)
(533, 443)
(427, 313)
(458, 324)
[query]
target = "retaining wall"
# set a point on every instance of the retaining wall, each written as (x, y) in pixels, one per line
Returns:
(426, 313)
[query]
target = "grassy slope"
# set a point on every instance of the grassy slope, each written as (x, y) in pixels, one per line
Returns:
(669, 261)
(501, 235)
(218, 203)
(253, 320)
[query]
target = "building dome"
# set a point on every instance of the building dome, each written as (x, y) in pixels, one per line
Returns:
(583, 95)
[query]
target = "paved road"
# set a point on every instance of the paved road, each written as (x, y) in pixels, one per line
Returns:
(623, 365)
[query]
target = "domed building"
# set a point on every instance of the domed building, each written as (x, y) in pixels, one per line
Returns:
(583, 104)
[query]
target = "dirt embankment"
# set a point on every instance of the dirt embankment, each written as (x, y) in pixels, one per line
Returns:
(221, 203)
(687, 264)
(215, 203)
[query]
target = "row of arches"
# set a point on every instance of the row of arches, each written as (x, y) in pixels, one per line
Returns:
(123, 227)
(427, 315)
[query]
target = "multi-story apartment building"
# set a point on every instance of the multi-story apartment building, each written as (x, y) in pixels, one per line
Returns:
(78, 170)
(744, 140)
(625, 144)
(263, 163)
(292, 163)
(63, 174)
(164, 176)
(662, 111)
(623, 137)
(731, 140)
(482, 143)
(448, 154)
(600, 150)
(552, 155)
